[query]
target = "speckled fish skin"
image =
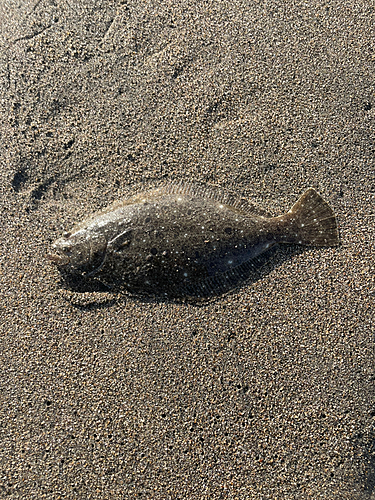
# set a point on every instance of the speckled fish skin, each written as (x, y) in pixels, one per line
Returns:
(176, 241)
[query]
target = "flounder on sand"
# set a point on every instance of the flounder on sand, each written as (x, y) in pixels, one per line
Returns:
(181, 241)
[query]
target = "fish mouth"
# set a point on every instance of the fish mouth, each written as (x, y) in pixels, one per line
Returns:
(58, 259)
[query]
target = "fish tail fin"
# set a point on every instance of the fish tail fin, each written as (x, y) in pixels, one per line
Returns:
(312, 221)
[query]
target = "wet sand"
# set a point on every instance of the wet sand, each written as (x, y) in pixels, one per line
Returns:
(264, 393)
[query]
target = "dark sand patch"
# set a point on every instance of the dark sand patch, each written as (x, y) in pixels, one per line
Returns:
(264, 393)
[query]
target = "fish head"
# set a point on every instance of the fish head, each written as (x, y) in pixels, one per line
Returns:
(79, 252)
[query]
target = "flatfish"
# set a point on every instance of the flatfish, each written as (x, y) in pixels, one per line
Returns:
(182, 240)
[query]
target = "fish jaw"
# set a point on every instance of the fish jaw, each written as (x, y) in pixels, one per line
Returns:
(58, 259)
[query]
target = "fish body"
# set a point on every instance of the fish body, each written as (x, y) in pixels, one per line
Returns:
(180, 241)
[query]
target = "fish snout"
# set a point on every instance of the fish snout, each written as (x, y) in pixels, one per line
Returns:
(60, 253)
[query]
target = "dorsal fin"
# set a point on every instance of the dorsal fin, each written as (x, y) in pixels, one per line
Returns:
(213, 193)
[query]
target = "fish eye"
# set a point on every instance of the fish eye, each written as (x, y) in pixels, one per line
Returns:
(66, 234)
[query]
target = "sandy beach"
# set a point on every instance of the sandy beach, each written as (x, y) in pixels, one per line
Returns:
(263, 393)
